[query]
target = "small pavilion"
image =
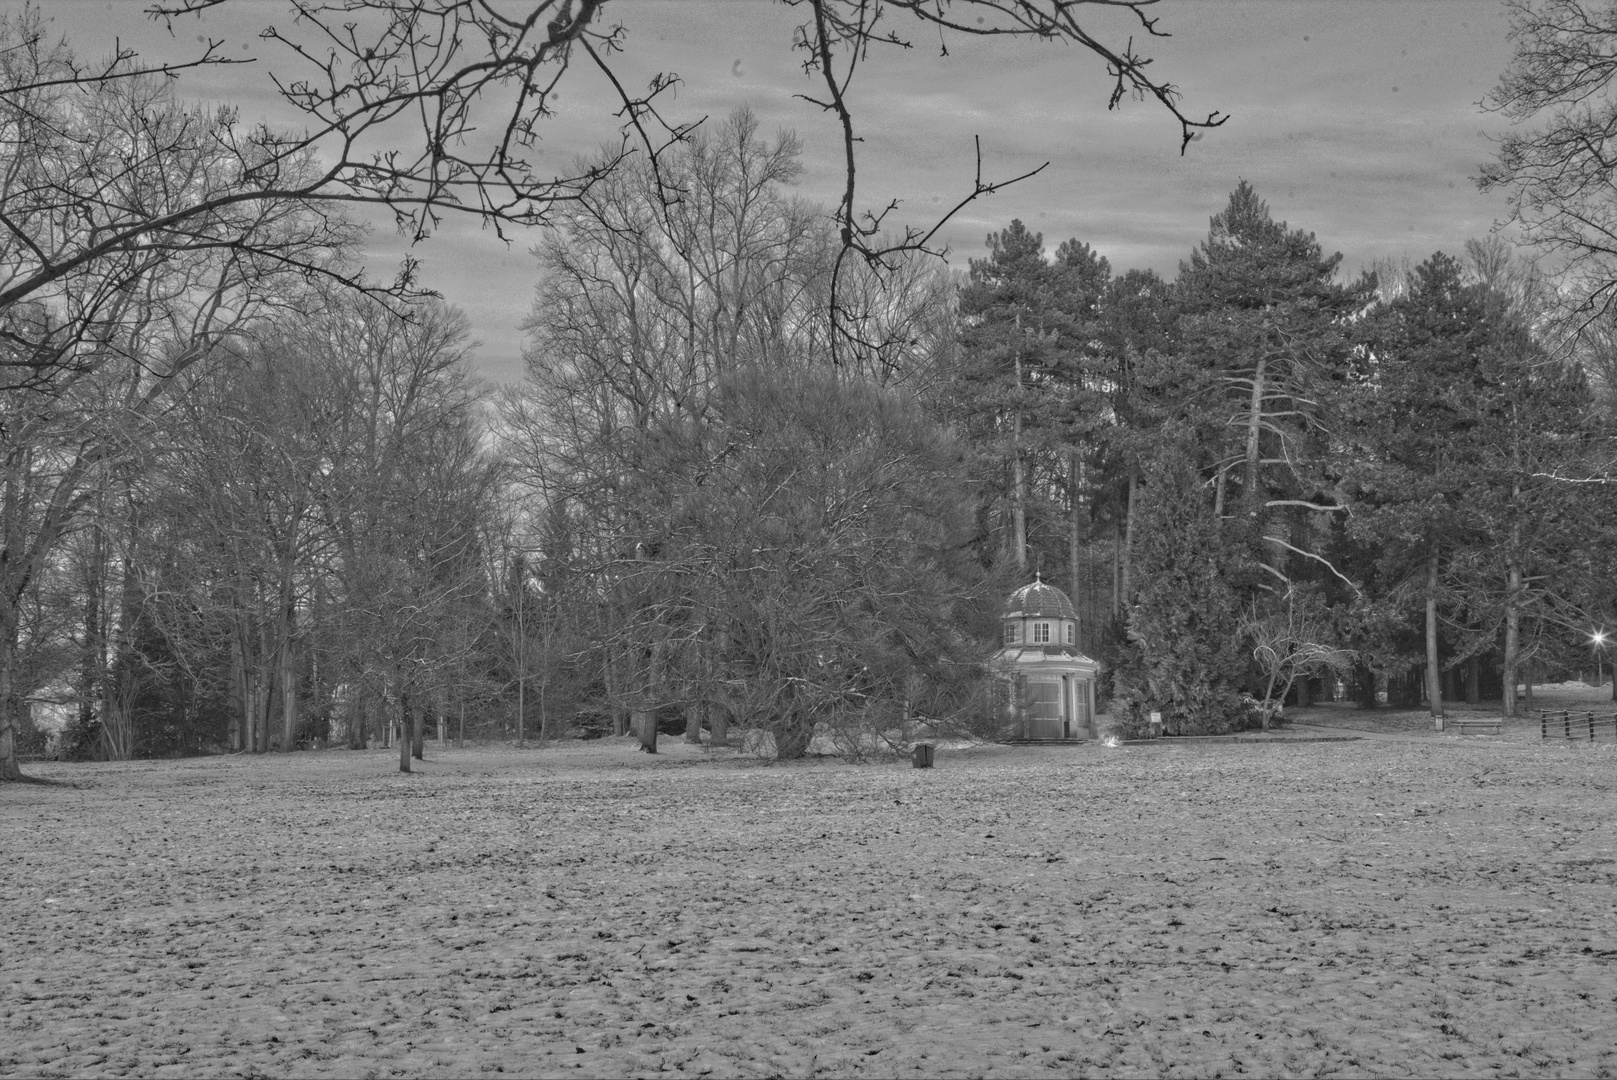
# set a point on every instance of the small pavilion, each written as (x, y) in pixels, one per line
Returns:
(1050, 684)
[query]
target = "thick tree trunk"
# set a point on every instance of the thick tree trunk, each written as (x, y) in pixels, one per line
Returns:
(693, 723)
(289, 698)
(404, 750)
(1364, 687)
(1434, 685)
(719, 718)
(645, 725)
(792, 739)
(1473, 672)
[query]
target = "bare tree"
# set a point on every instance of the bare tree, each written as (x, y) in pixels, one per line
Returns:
(1292, 643)
(428, 108)
(1557, 173)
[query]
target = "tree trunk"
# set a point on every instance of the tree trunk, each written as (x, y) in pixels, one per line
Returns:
(1254, 427)
(1434, 685)
(289, 697)
(1128, 536)
(1074, 475)
(1512, 640)
(1364, 686)
(1527, 683)
(94, 678)
(620, 715)
(1117, 569)
(1473, 671)
(238, 694)
(693, 723)
(10, 767)
(356, 723)
(404, 750)
(544, 713)
(418, 741)
(719, 718)
(645, 725)
(792, 738)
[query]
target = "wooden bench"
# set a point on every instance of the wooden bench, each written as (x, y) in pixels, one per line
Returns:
(1476, 726)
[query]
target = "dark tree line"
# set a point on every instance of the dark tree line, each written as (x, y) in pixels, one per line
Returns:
(1293, 476)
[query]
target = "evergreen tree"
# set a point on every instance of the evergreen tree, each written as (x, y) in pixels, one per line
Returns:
(1460, 423)
(1184, 655)
(1023, 389)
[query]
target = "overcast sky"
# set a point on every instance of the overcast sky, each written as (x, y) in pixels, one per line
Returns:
(1355, 119)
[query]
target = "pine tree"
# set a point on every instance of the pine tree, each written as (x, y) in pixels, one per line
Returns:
(1022, 388)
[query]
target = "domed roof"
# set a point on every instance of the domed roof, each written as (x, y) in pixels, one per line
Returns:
(1038, 600)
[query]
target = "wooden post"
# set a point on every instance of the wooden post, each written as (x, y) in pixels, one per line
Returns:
(1543, 725)
(1566, 724)
(1591, 727)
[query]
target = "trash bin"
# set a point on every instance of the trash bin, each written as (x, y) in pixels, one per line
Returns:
(923, 755)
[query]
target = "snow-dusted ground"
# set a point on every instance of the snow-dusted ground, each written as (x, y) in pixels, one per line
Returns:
(1431, 907)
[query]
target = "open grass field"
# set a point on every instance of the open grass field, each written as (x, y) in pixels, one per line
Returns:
(1378, 907)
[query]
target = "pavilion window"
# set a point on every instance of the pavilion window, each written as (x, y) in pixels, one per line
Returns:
(1013, 633)
(1069, 633)
(1041, 632)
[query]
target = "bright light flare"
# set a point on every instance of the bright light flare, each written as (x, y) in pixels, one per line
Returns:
(1598, 637)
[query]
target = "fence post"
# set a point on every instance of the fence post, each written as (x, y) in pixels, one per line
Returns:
(1543, 725)
(1566, 724)
(1591, 727)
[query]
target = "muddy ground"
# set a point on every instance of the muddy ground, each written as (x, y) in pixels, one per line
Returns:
(1429, 906)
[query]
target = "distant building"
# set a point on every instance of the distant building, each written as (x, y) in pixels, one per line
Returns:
(1049, 684)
